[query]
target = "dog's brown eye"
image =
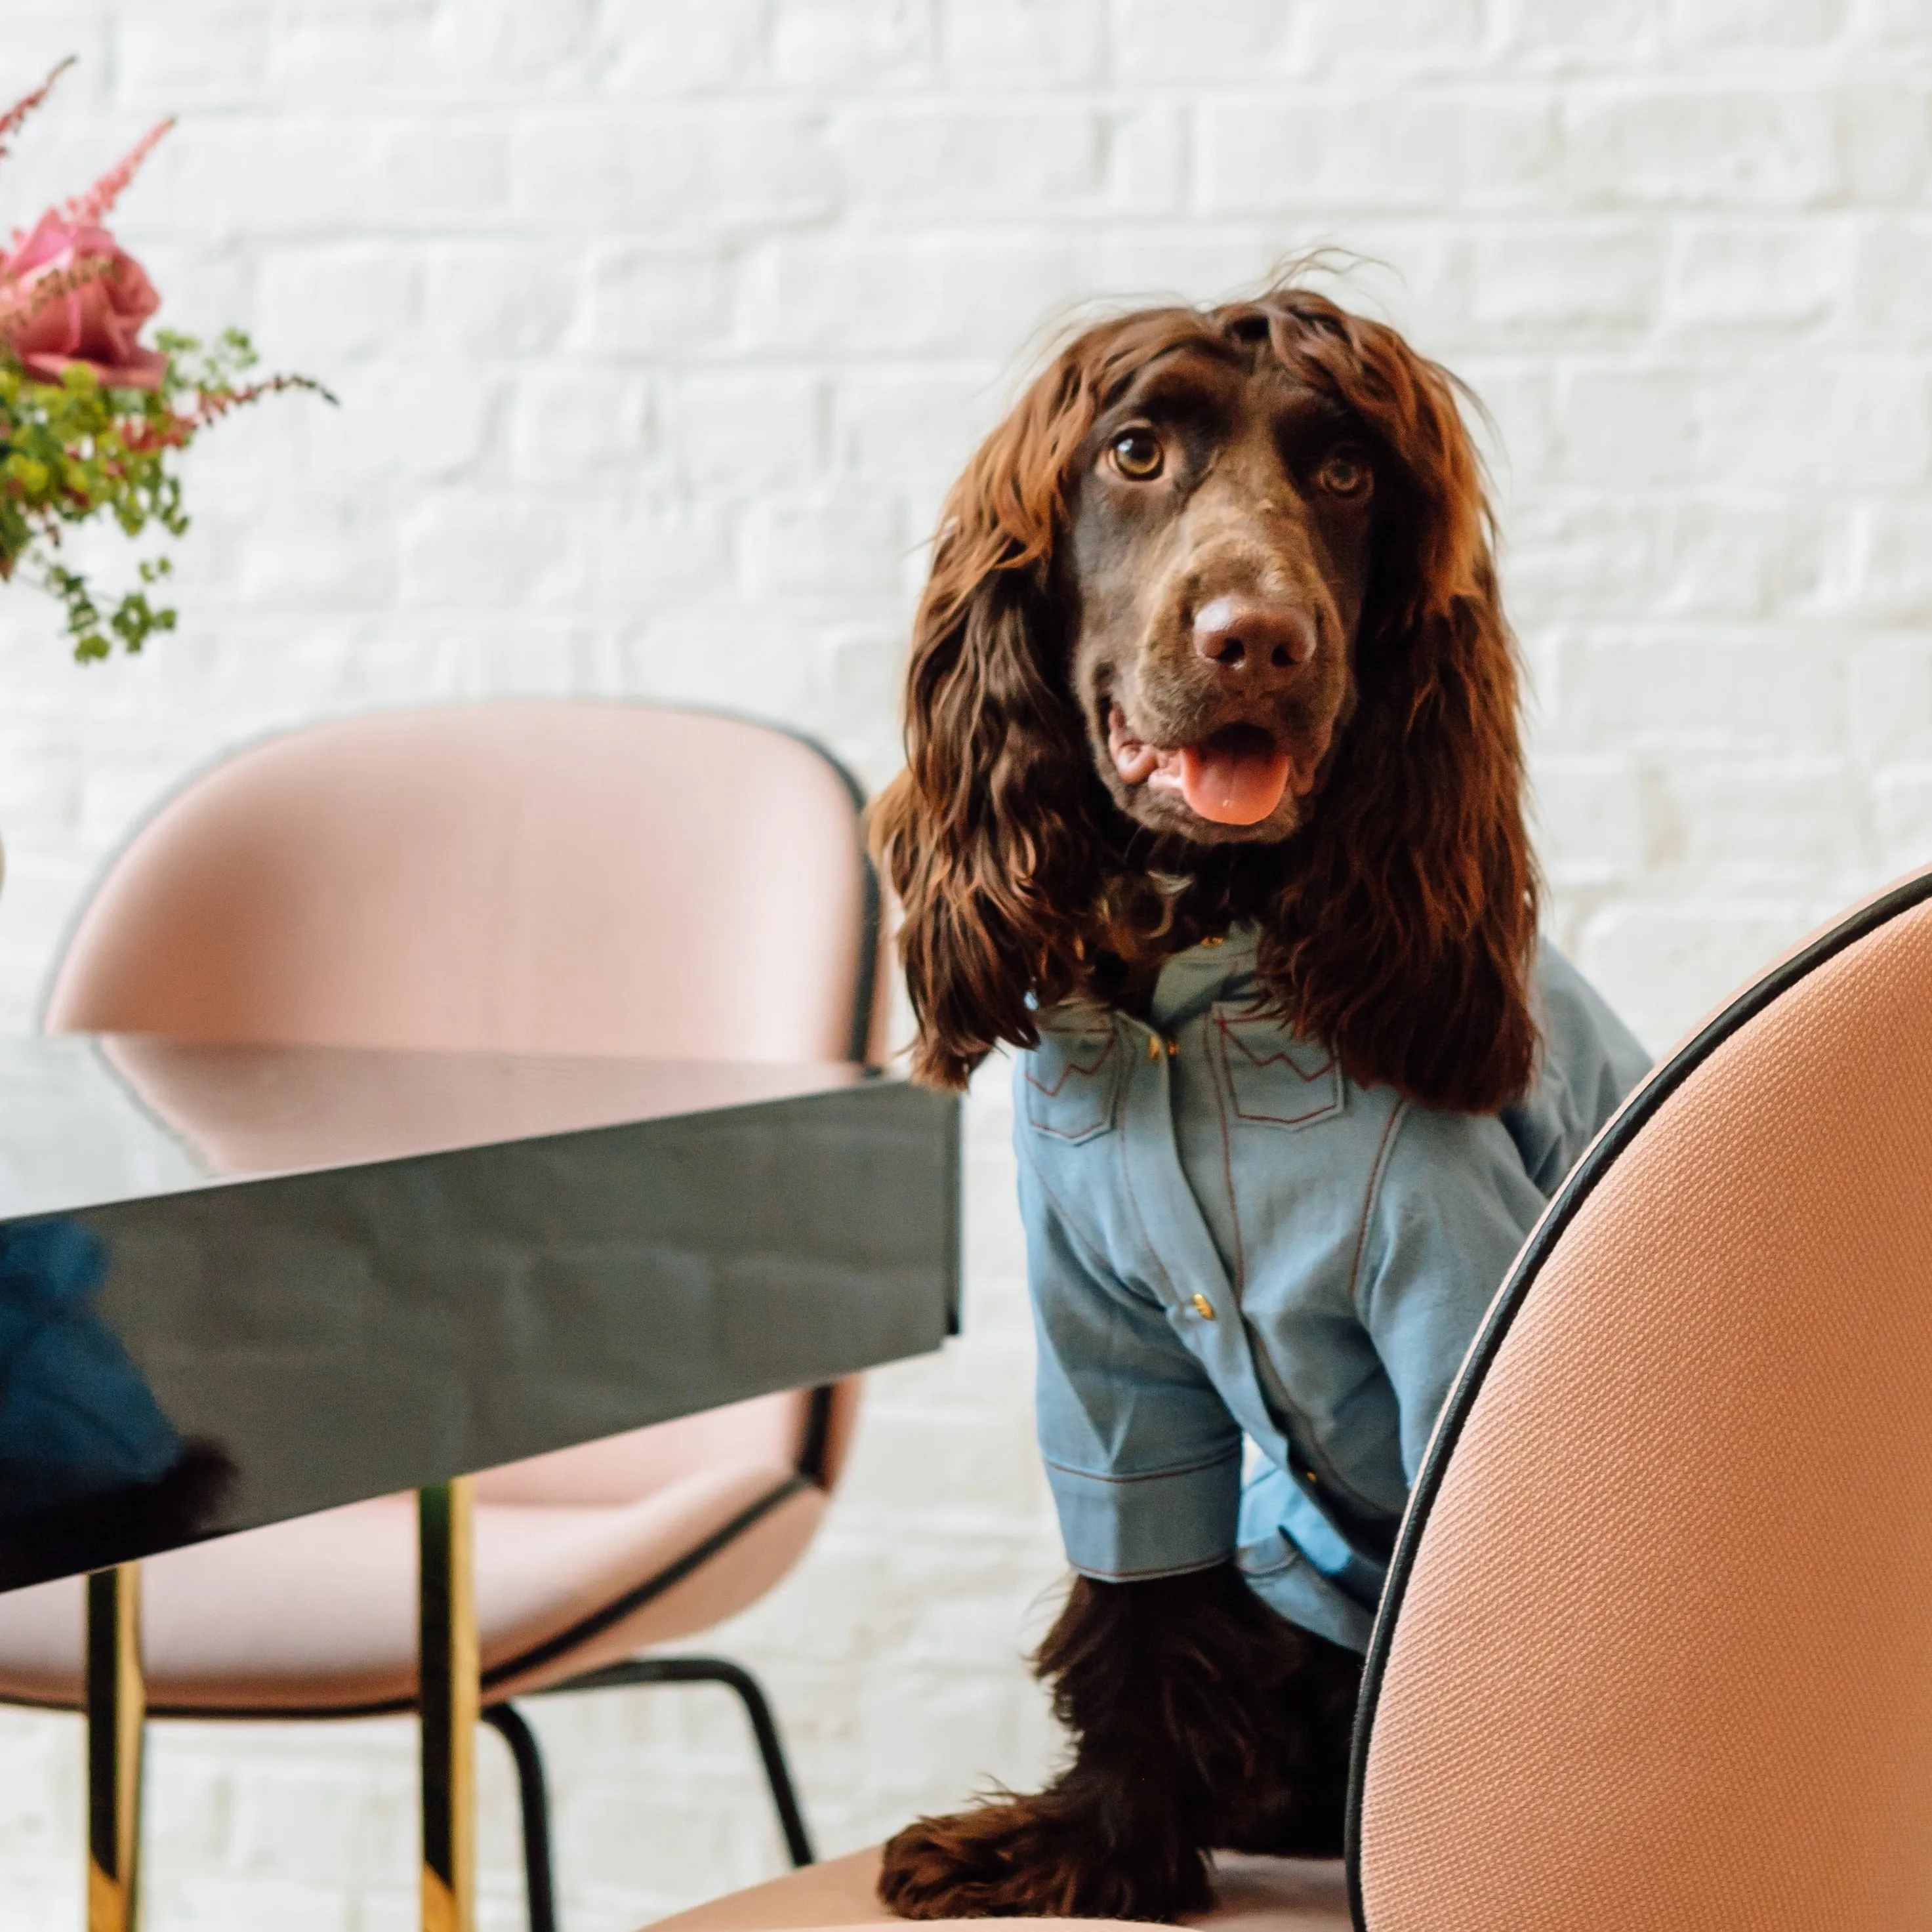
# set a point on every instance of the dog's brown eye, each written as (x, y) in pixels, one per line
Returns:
(1136, 454)
(1344, 473)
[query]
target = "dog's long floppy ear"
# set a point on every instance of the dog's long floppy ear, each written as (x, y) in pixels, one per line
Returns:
(986, 836)
(1404, 933)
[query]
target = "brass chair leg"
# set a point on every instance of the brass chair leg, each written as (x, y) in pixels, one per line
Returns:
(449, 1697)
(117, 1707)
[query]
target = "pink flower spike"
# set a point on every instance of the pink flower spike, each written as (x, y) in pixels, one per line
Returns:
(86, 211)
(21, 109)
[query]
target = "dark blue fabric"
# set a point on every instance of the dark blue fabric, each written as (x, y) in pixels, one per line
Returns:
(76, 1418)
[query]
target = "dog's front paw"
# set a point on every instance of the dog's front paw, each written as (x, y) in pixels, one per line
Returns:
(971, 1865)
(1033, 1857)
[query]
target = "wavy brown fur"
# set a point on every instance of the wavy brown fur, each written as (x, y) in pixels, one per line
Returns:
(1398, 926)
(1200, 1720)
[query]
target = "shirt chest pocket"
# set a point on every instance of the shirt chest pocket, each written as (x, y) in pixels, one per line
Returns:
(1073, 1079)
(1274, 1078)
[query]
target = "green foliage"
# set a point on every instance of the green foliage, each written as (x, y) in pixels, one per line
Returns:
(72, 450)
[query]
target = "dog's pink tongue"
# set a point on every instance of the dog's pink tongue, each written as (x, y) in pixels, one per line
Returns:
(1234, 781)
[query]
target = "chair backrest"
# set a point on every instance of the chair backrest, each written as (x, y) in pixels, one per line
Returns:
(529, 877)
(522, 876)
(1657, 1652)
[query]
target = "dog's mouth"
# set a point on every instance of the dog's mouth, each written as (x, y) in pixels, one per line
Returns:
(1237, 776)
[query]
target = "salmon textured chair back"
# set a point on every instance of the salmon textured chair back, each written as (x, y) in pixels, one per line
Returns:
(1656, 1652)
(526, 877)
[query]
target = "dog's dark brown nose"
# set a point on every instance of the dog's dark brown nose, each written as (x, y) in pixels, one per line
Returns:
(1254, 636)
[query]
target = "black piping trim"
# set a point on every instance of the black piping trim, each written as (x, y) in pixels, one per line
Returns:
(817, 1439)
(1638, 1111)
(955, 1286)
(871, 910)
(565, 1641)
(615, 1611)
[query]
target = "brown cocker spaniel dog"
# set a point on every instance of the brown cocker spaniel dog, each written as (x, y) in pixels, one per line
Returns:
(1211, 635)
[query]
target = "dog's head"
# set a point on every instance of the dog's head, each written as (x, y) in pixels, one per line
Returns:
(1217, 560)
(1211, 632)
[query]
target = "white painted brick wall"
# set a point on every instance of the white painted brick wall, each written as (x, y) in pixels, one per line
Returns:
(659, 329)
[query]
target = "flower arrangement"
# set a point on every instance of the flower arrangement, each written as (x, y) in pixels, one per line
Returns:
(91, 418)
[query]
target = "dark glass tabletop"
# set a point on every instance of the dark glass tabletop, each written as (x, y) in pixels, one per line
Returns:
(242, 1283)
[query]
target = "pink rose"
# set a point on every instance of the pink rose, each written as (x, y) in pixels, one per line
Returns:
(96, 321)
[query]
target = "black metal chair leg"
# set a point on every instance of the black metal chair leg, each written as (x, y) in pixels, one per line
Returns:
(734, 1677)
(533, 1802)
(778, 1773)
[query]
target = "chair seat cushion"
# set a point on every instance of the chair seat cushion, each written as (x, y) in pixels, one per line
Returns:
(320, 1614)
(1251, 1894)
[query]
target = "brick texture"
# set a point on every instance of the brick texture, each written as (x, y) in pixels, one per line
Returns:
(659, 329)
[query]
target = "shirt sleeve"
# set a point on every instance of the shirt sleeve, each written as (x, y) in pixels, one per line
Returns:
(1446, 1217)
(1459, 1192)
(1590, 1061)
(1144, 1459)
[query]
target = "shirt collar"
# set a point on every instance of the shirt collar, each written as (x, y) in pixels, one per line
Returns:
(1191, 982)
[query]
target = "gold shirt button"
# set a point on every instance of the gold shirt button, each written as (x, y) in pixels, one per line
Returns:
(1154, 1049)
(1203, 1307)
(1173, 1048)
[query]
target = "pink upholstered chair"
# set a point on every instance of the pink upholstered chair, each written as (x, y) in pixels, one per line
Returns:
(1655, 1651)
(611, 879)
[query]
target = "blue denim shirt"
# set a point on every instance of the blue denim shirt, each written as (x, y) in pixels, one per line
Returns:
(1227, 1237)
